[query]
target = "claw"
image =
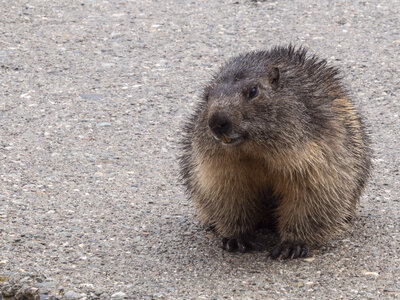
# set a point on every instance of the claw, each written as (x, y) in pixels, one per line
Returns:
(289, 251)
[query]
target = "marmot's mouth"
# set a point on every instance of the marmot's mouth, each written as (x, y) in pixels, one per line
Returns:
(231, 141)
(226, 139)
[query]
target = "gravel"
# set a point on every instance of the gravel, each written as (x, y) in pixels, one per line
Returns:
(92, 99)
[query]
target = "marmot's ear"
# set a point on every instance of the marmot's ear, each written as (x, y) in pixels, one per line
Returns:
(273, 77)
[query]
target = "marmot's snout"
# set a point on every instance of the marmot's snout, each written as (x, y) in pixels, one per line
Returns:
(223, 128)
(220, 124)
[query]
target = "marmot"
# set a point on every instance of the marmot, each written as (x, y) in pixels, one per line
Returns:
(275, 139)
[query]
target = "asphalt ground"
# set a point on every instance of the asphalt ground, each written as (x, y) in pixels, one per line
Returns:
(93, 95)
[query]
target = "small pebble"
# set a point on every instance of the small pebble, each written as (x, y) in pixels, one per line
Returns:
(309, 259)
(118, 296)
(103, 124)
(71, 295)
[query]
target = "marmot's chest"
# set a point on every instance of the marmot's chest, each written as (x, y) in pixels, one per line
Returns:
(239, 177)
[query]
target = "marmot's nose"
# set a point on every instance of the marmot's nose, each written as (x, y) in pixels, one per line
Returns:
(220, 124)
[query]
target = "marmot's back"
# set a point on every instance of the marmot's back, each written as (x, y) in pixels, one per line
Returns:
(275, 139)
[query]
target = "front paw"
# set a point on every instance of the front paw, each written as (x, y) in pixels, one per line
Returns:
(289, 250)
(238, 244)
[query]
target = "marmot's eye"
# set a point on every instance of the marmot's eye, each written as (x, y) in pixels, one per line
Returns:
(253, 92)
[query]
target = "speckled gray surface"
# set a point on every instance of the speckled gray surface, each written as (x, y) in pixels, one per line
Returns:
(92, 98)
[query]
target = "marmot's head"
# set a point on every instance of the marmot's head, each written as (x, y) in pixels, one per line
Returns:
(255, 99)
